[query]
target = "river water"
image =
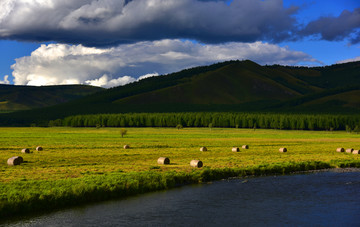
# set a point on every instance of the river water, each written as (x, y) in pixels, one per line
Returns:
(328, 198)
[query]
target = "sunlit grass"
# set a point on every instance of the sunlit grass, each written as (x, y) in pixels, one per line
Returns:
(83, 162)
(74, 152)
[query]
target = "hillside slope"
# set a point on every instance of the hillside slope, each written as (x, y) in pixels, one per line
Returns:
(14, 98)
(238, 83)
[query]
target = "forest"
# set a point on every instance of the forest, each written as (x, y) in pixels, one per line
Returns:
(209, 119)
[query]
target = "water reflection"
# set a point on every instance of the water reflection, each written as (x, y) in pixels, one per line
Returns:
(318, 199)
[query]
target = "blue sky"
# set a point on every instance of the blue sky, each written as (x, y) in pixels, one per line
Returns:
(10, 50)
(108, 43)
(329, 52)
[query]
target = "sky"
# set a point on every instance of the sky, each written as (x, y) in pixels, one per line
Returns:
(110, 43)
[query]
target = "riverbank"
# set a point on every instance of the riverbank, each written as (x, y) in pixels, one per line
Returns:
(336, 170)
(48, 195)
(79, 166)
(323, 198)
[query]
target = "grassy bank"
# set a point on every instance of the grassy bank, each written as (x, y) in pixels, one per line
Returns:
(81, 165)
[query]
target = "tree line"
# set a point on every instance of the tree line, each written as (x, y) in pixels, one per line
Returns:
(223, 120)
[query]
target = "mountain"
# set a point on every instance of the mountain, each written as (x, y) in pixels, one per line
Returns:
(13, 98)
(228, 86)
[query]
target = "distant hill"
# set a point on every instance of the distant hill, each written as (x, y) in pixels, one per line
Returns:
(228, 86)
(13, 98)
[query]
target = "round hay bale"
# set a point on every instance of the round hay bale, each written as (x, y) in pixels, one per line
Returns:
(25, 151)
(203, 149)
(340, 149)
(13, 161)
(126, 146)
(196, 163)
(163, 161)
(20, 159)
(39, 148)
(355, 152)
(235, 149)
(283, 149)
(349, 150)
(245, 147)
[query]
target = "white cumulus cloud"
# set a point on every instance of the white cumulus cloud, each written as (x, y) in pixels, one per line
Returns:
(104, 81)
(108, 67)
(148, 75)
(6, 80)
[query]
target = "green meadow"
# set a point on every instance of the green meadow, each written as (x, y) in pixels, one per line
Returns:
(80, 165)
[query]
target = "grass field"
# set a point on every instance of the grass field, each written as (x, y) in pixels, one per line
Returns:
(89, 164)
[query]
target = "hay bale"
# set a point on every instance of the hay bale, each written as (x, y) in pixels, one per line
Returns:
(203, 149)
(235, 149)
(283, 149)
(25, 151)
(340, 149)
(355, 152)
(163, 161)
(20, 159)
(349, 150)
(39, 148)
(126, 146)
(196, 163)
(13, 161)
(245, 147)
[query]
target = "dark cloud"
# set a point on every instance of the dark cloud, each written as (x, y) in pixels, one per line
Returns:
(113, 22)
(110, 22)
(345, 26)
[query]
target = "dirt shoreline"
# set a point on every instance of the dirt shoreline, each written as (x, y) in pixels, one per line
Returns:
(337, 170)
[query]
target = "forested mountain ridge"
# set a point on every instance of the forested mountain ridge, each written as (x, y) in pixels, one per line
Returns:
(236, 86)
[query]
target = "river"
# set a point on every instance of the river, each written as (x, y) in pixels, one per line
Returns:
(325, 198)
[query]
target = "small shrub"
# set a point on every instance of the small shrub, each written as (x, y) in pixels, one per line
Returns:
(123, 132)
